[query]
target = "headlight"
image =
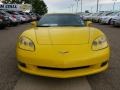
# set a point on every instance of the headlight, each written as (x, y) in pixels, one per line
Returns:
(99, 43)
(26, 44)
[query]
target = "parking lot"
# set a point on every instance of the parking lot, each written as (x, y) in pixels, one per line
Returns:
(12, 79)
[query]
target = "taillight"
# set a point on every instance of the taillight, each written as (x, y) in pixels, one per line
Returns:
(13, 16)
(1, 17)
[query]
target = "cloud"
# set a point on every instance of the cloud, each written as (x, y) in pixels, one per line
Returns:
(65, 5)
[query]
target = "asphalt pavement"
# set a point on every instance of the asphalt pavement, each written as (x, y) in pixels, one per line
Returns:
(12, 79)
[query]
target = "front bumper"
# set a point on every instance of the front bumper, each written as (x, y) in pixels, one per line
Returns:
(104, 21)
(89, 64)
(64, 74)
(117, 23)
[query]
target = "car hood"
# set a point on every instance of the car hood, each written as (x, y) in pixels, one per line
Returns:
(62, 35)
(103, 16)
(116, 17)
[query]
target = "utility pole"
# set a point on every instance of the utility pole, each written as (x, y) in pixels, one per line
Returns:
(77, 1)
(114, 4)
(97, 6)
(72, 6)
(100, 7)
(91, 9)
(81, 5)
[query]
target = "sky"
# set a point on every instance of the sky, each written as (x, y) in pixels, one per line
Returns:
(55, 6)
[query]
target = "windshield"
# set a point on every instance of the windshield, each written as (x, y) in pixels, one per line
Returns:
(61, 20)
(114, 14)
(5, 13)
(107, 14)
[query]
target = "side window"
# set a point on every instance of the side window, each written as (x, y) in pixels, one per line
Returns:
(2, 13)
(118, 14)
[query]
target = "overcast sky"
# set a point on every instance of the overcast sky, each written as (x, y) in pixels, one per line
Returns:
(65, 5)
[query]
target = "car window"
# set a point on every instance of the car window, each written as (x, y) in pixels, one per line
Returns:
(61, 20)
(2, 12)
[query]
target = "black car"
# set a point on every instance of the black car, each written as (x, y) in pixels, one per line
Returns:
(2, 23)
(4, 20)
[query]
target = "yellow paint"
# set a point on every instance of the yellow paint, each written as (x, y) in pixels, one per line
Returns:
(62, 47)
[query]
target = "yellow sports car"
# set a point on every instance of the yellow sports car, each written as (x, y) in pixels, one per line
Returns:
(62, 46)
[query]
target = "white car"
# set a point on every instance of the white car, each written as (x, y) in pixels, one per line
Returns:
(116, 21)
(108, 19)
(91, 16)
(102, 14)
(95, 18)
(86, 16)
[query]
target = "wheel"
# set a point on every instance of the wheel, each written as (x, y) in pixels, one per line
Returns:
(2, 26)
(109, 22)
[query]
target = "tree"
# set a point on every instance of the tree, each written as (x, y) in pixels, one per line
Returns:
(12, 1)
(38, 5)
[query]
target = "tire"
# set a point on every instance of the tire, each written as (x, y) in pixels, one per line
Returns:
(2, 26)
(109, 22)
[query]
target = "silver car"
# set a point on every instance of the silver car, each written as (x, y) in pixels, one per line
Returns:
(15, 15)
(116, 21)
(108, 19)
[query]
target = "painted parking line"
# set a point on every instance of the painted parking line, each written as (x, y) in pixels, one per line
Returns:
(28, 82)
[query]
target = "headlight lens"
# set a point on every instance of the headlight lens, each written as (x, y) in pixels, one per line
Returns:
(26, 44)
(99, 43)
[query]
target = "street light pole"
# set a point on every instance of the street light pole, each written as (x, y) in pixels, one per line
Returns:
(91, 9)
(77, 1)
(97, 5)
(72, 5)
(114, 5)
(81, 5)
(100, 8)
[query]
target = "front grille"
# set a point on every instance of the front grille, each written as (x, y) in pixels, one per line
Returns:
(63, 69)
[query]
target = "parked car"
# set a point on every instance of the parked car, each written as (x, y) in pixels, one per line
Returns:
(95, 18)
(34, 17)
(12, 19)
(2, 23)
(72, 49)
(108, 19)
(25, 17)
(15, 15)
(116, 21)
(86, 16)
(29, 15)
(102, 14)
(4, 19)
(92, 16)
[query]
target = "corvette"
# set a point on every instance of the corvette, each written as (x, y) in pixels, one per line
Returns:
(62, 46)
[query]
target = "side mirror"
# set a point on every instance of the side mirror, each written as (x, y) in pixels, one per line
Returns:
(34, 24)
(89, 23)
